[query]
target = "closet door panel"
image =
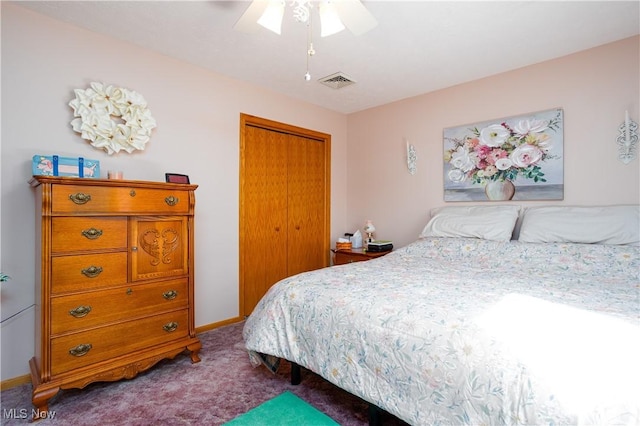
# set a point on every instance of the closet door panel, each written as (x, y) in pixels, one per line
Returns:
(265, 212)
(306, 202)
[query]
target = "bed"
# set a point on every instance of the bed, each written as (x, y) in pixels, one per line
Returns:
(467, 325)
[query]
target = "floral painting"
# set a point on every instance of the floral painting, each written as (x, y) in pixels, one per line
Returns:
(515, 158)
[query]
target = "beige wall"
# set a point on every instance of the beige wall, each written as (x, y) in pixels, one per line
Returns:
(43, 60)
(197, 112)
(593, 87)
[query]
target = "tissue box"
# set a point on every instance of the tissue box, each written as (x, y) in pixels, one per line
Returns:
(356, 240)
(54, 165)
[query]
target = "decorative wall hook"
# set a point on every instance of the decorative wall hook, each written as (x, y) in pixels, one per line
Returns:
(411, 158)
(627, 140)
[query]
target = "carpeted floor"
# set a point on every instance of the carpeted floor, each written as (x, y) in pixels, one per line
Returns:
(220, 387)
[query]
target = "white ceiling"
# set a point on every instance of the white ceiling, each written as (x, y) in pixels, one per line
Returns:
(417, 47)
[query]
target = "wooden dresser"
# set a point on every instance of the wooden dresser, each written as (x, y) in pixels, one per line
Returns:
(114, 280)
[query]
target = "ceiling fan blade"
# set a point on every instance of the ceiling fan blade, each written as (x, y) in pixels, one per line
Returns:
(248, 22)
(355, 16)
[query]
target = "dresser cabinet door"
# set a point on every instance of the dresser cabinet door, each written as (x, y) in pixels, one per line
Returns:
(159, 247)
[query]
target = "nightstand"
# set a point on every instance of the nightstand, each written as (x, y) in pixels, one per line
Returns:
(341, 257)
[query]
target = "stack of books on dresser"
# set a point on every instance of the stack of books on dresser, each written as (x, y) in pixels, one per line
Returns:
(380, 245)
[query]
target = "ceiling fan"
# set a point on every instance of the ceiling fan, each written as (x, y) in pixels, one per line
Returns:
(335, 15)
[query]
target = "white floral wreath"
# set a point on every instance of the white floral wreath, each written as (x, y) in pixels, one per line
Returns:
(112, 118)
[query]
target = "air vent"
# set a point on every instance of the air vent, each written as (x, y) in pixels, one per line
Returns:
(337, 80)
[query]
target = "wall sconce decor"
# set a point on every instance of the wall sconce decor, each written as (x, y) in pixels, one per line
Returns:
(627, 140)
(411, 158)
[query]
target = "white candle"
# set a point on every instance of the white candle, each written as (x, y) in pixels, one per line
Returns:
(627, 129)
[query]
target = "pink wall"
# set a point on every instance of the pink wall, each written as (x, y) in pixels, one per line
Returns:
(594, 88)
(198, 114)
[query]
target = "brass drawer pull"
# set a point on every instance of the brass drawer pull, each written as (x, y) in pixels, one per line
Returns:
(170, 295)
(170, 326)
(92, 271)
(80, 198)
(171, 200)
(81, 349)
(80, 311)
(92, 233)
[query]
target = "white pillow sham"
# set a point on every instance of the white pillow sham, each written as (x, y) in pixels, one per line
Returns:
(485, 222)
(581, 224)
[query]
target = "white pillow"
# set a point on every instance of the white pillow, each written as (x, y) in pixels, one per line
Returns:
(588, 225)
(484, 222)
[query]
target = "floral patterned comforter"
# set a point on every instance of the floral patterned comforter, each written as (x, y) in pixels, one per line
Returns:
(467, 331)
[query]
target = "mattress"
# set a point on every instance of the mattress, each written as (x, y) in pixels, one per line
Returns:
(469, 331)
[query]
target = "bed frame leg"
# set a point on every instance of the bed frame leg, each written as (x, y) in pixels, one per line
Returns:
(296, 377)
(374, 415)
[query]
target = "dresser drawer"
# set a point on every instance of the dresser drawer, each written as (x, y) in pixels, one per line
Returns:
(87, 271)
(78, 311)
(340, 258)
(81, 199)
(100, 344)
(88, 233)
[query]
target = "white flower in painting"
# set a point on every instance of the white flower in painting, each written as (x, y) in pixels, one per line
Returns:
(456, 175)
(524, 127)
(526, 155)
(503, 163)
(494, 135)
(463, 159)
(544, 142)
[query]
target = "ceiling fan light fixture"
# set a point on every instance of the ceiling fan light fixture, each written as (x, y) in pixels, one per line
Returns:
(330, 22)
(271, 19)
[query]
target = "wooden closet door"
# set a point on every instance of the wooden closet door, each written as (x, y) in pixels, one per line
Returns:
(306, 204)
(284, 204)
(264, 192)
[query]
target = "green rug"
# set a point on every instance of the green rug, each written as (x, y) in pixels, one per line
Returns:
(284, 409)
